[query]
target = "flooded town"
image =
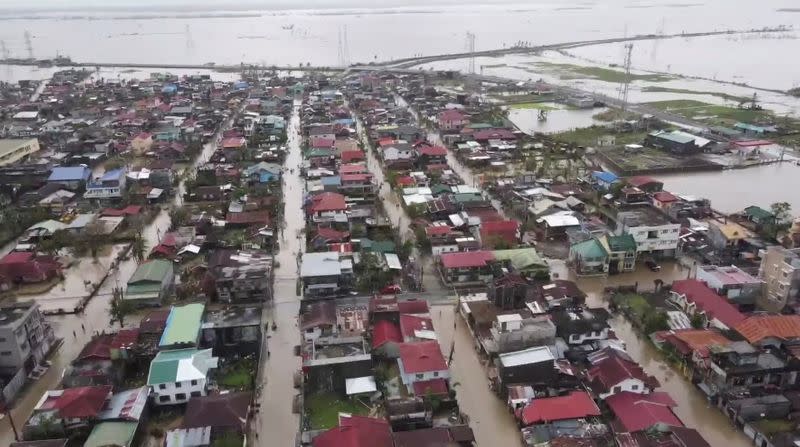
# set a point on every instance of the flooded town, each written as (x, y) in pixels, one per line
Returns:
(327, 236)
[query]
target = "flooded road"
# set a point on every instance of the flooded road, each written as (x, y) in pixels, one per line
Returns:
(489, 417)
(275, 423)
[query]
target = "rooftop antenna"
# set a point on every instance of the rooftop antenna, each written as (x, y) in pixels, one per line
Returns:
(28, 44)
(471, 51)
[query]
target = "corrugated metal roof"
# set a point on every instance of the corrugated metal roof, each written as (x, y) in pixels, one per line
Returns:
(183, 325)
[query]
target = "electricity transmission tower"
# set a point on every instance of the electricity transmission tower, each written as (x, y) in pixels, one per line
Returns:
(471, 50)
(28, 44)
(623, 88)
(344, 51)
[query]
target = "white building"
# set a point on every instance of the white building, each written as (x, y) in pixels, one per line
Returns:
(653, 231)
(12, 150)
(421, 362)
(178, 375)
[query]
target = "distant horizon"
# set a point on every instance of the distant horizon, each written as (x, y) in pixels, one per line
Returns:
(199, 6)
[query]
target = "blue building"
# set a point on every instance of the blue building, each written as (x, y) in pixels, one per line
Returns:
(604, 179)
(69, 177)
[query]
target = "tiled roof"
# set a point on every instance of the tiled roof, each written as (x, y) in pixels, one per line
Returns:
(82, 402)
(328, 201)
(435, 387)
(467, 259)
(356, 431)
(757, 328)
(384, 332)
(575, 405)
(641, 411)
(614, 369)
(708, 301)
(409, 324)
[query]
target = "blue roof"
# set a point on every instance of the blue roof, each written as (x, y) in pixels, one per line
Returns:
(169, 88)
(333, 180)
(605, 176)
(344, 121)
(114, 174)
(69, 173)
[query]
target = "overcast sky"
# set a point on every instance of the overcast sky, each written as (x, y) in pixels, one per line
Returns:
(220, 4)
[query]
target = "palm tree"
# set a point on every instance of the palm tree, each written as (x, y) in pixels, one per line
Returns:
(139, 248)
(120, 308)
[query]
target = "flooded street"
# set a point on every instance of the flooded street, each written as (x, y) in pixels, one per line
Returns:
(489, 417)
(275, 423)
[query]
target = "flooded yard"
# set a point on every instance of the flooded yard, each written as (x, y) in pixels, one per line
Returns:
(558, 117)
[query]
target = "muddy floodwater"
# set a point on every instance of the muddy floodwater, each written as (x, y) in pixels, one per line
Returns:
(558, 118)
(275, 423)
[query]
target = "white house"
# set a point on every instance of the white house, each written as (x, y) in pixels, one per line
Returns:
(653, 231)
(613, 371)
(421, 362)
(178, 375)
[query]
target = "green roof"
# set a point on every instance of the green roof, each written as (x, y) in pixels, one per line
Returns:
(117, 434)
(142, 291)
(180, 364)
(625, 242)
(590, 248)
(439, 189)
(183, 325)
(522, 259)
(758, 213)
(319, 153)
(154, 271)
(672, 136)
(381, 247)
(467, 197)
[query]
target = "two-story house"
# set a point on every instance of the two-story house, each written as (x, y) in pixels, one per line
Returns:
(613, 371)
(442, 239)
(422, 365)
(577, 327)
(327, 206)
(110, 185)
(655, 233)
(696, 298)
(399, 156)
(25, 336)
(325, 273)
(733, 283)
(178, 375)
(468, 266)
(452, 120)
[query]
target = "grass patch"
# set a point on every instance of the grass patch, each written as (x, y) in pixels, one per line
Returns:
(323, 409)
(238, 375)
(773, 426)
(571, 71)
(725, 96)
(533, 105)
(588, 136)
(720, 114)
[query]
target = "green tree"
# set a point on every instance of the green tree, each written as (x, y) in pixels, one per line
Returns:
(179, 216)
(655, 321)
(698, 321)
(782, 212)
(120, 307)
(139, 248)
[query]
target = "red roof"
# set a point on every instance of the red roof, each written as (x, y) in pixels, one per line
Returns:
(28, 267)
(352, 168)
(436, 167)
(412, 307)
(783, 327)
(16, 257)
(411, 323)
(234, 142)
(494, 134)
(248, 218)
(384, 332)
(341, 247)
(753, 143)
(125, 339)
(328, 201)
(434, 387)
(614, 369)
(322, 143)
(385, 141)
(433, 151)
(451, 115)
(665, 196)
(356, 431)
(466, 259)
(641, 411)
(405, 180)
(349, 156)
(143, 136)
(82, 402)
(641, 180)
(422, 357)
(708, 301)
(438, 230)
(356, 177)
(575, 405)
(130, 210)
(486, 214)
(504, 229)
(331, 235)
(99, 348)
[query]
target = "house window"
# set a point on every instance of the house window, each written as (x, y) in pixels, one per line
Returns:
(194, 382)
(162, 386)
(5, 353)
(177, 384)
(436, 374)
(164, 398)
(634, 387)
(617, 389)
(420, 376)
(180, 396)
(196, 393)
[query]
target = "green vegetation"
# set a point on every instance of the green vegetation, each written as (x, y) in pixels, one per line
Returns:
(641, 312)
(614, 115)
(723, 115)
(534, 105)
(239, 375)
(323, 409)
(120, 308)
(571, 71)
(773, 426)
(725, 96)
(228, 440)
(588, 136)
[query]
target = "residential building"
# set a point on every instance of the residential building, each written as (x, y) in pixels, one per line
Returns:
(645, 183)
(739, 367)
(512, 332)
(69, 409)
(21, 267)
(589, 257)
(442, 239)
(110, 185)
(151, 283)
(577, 327)
(759, 216)
(326, 207)
(421, 362)
(731, 282)
(325, 273)
(604, 180)
(613, 372)
(25, 336)
(654, 232)
(770, 330)
(675, 142)
(534, 365)
(696, 298)
(452, 120)
(221, 414)
(575, 405)
(780, 271)
(356, 431)
(399, 156)
(116, 433)
(232, 331)
(183, 326)
(11, 151)
(70, 177)
(636, 412)
(466, 267)
(177, 376)
(727, 237)
(142, 143)
(664, 201)
(240, 276)
(621, 253)
(319, 320)
(501, 232)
